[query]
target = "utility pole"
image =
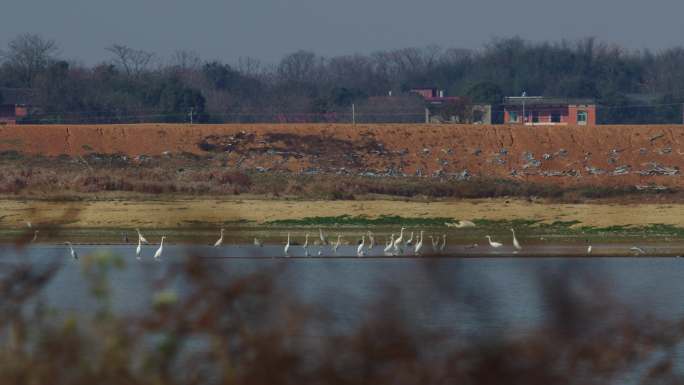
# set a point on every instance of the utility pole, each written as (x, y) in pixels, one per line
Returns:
(523, 117)
(353, 114)
(427, 115)
(192, 111)
(524, 95)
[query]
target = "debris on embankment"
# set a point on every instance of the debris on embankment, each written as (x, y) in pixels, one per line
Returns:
(601, 155)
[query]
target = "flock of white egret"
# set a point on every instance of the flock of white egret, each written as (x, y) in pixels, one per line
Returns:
(138, 249)
(399, 246)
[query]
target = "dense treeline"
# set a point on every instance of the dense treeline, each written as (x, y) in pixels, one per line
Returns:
(134, 85)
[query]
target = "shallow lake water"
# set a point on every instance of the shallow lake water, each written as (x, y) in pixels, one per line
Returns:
(433, 290)
(486, 297)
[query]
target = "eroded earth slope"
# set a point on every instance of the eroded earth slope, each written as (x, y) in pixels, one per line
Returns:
(603, 155)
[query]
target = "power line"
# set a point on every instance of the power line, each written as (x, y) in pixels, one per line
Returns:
(358, 111)
(370, 116)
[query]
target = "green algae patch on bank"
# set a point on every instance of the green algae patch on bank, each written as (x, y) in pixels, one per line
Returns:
(204, 225)
(347, 220)
(653, 230)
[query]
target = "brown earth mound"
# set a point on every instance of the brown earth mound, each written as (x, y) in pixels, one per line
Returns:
(602, 155)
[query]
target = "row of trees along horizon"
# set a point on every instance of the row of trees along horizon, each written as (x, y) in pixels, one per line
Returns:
(132, 85)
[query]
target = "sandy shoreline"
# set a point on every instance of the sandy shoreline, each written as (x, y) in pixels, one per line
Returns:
(184, 213)
(196, 222)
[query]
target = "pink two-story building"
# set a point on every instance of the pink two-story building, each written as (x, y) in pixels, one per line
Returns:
(540, 110)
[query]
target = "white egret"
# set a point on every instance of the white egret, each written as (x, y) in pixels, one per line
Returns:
(637, 250)
(324, 241)
(28, 224)
(493, 244)
(371, 241)
(287, 246)
(35, 236)
(419, 245)
(158, 253)
(442, 247)
(141, 236)
(258, 242)
(435, 243)
(337, 244)
(398, 241)
(409, 243)
(390, 244)
(71, 251)
(460, 224)
(138, 249)
(516, 245)
(359, 250)
(220, 240)
(589, 250)
(306, 245)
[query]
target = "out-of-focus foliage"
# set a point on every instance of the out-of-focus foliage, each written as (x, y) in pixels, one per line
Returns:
(224, 328)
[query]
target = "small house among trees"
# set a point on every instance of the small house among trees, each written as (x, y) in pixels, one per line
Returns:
(14, 104)
(453, 109)
(539, 110)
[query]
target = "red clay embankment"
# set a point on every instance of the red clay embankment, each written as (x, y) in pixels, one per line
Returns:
(603, 155)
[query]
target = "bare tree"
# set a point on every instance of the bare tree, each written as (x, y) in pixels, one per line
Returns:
(455, 55)
(664, 75)
(355, 71)
(186, 60)
(186, 65)
(300, 67)
(252, 67)
(133, 61)
(28, 54)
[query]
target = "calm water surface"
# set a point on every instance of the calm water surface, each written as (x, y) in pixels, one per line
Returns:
(494, 297)
(461, 295)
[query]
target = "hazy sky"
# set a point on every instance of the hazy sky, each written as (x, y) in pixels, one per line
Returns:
(267, 29)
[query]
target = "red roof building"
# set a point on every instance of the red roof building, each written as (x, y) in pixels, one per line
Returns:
(539, 110)
(434, 95)
(452, 109)
(13, 104)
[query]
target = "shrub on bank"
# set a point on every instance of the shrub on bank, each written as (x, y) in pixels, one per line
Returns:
(206, 177)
